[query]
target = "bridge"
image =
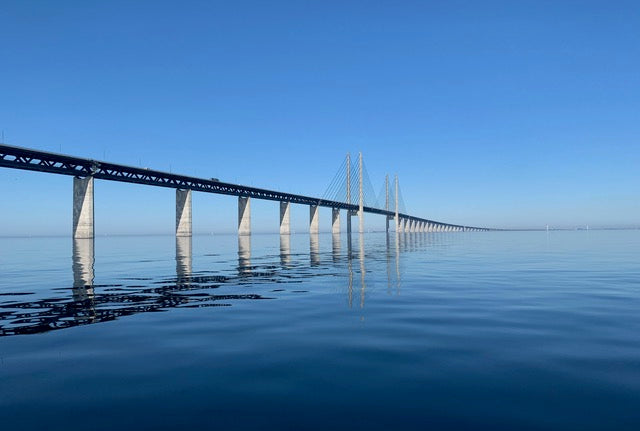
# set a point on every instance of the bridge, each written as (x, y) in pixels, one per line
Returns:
(338, 196)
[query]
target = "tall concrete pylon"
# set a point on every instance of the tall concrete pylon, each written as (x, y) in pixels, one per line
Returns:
(397, 217)
(386, 200)
(360, 196)
(349, 193)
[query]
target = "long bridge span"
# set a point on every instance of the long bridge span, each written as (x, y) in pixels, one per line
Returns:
(84, 171)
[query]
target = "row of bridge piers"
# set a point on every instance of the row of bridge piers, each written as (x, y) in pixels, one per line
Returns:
(83, 216)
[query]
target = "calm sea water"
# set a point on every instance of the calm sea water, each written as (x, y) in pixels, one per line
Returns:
(502, 330)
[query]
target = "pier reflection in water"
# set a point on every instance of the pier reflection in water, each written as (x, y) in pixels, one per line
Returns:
(83, 259)
(335, 247)
(184, 259)
(244, 255)
(314, 249)
(91, 303)
(285, 250)
(362, 269)
(83, 305)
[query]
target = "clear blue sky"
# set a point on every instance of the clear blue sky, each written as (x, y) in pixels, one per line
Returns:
(508, 114)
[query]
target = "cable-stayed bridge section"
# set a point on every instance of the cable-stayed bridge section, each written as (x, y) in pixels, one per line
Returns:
(350, 190)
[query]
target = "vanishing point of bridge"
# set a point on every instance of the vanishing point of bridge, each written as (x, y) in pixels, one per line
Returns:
(339, 196)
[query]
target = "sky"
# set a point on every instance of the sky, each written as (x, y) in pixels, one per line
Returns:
(499, 114)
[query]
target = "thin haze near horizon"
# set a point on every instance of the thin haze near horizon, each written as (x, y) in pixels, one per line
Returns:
(498, 114)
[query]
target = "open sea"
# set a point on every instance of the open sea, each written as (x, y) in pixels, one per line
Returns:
(474, 330)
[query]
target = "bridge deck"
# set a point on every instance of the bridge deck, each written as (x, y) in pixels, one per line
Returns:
(42, 161)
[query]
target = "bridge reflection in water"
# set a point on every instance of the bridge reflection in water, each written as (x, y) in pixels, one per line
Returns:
(93, 303)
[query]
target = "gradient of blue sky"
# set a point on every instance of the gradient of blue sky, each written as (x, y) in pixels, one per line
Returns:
(492, 113)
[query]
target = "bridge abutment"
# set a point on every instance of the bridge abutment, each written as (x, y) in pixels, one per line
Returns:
(244, 215)
(83, 216)
(285, 218)
(183, 213)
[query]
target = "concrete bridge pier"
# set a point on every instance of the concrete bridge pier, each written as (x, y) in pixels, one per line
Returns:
(183, 212)
(83, 208)
(244, 215)
(314, 223)
(389, 218)
(285, 218)
(407, 225)
(335, 221)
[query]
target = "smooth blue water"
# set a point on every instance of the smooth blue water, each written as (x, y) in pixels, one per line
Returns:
(500, 330)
